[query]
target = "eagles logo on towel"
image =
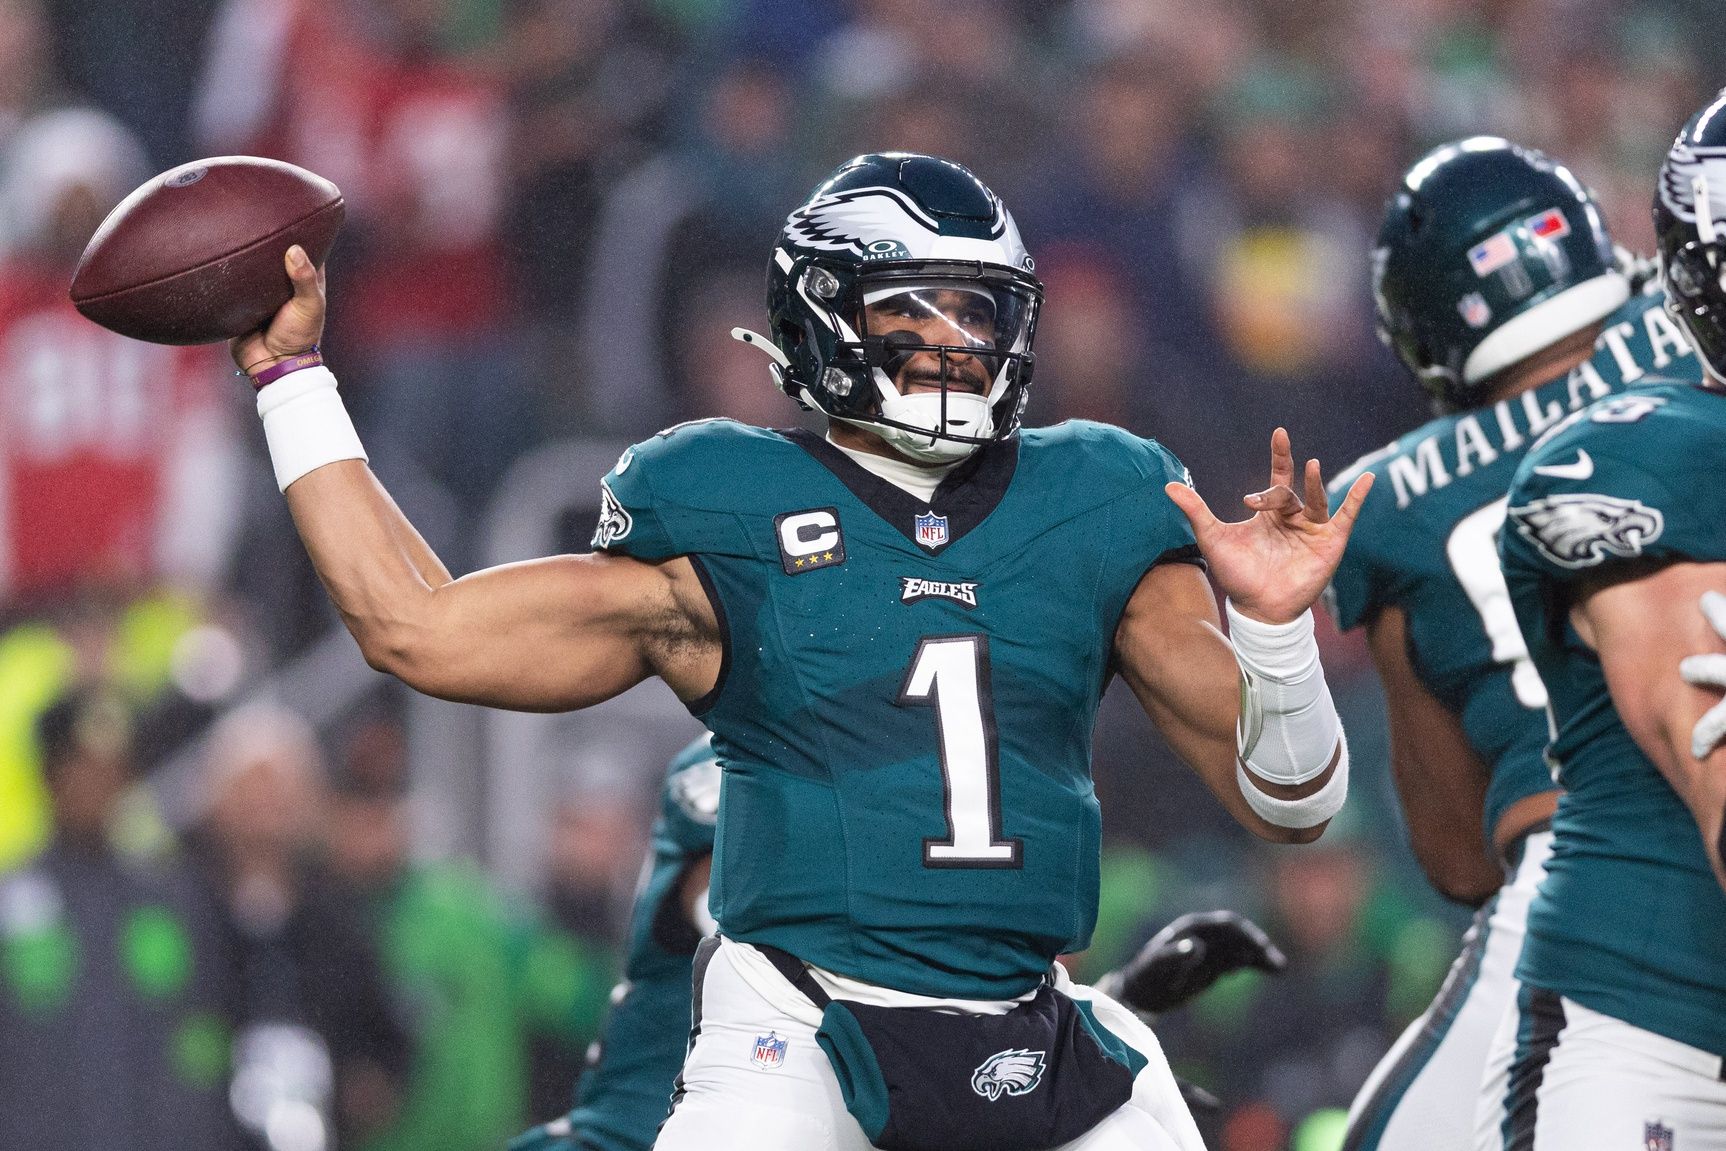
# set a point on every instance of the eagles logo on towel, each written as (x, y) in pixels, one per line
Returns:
(1012, 1072)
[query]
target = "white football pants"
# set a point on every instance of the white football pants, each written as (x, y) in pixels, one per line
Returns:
(1423, 1094)
(1589, 1082)
(788, 1099)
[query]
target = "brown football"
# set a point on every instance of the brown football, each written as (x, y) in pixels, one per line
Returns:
(194, 256)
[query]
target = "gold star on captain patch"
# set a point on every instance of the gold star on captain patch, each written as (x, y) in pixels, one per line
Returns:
(800, 563)
(828, 558)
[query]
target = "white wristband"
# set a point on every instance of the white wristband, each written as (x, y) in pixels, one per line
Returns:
(1288, 722)
(1309, 811)
(305, 424)
(1279, 651)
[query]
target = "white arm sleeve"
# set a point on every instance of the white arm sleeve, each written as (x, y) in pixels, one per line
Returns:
(1289, 731)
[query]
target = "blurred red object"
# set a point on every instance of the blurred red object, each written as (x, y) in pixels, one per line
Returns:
(102, 439)
(414, 137)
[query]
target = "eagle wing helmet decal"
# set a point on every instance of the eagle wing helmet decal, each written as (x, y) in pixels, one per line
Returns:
(868, 221)
(1678, 180)
(1581, 530)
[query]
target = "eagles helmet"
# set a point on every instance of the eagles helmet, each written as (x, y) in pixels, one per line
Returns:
(1690, 224)
(1488, 253)
(901, 237)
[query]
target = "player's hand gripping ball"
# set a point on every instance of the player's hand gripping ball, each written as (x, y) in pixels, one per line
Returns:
(194, 256)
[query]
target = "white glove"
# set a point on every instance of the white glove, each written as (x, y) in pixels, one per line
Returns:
(1708, 671)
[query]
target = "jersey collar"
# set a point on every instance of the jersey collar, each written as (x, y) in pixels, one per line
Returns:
(966, 497)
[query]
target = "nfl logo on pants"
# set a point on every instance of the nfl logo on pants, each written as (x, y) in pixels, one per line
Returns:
(1656, 1136)
(769, 1051)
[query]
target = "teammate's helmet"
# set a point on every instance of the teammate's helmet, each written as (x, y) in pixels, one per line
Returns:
(902, 229)
(1690, 223)
(1488, 253)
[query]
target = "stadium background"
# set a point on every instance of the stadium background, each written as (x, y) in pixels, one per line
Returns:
(557, 211)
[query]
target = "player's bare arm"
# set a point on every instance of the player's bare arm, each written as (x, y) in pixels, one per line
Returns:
(1440, 781)
(1643, 628)
(543, 635)
(1171, 649)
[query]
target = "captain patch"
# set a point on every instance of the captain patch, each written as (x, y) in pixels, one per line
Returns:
(809, 540)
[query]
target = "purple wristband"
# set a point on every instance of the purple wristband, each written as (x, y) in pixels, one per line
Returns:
(308, 359)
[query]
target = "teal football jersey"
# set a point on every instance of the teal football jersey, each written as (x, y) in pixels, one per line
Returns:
(1427, 542)
(1630, 920)
(626, 1090)
(905, 709)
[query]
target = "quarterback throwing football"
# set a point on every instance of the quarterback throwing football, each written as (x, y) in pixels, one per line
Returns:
(898, 634)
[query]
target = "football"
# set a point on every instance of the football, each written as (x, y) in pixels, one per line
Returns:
(194, 256)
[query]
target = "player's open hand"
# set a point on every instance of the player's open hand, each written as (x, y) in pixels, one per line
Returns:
(1708, 671)
(297, 324)
(1273, 565)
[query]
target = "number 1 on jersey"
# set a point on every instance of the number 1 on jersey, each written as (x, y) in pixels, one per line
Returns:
(951, 674)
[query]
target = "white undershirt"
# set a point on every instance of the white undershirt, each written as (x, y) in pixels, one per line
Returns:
(920, 481)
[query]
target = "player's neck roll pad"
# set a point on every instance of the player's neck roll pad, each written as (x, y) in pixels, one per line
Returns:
(921, 1079)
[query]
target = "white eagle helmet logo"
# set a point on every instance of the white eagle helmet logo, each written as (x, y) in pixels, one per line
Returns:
(1578, 530)
(1678, 180)
(881, 223)
(1013, 1072)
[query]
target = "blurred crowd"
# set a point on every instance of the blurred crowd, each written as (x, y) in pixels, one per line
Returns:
(557, 210)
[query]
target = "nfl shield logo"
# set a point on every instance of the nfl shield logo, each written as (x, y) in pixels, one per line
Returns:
(1656, 1136)
(931, 530)
(1476, 312)
(769, 1051)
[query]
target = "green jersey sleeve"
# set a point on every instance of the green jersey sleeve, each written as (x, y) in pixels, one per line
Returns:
(1145, 526)
(1616, 485)
(664, 496)
(629, 516)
